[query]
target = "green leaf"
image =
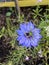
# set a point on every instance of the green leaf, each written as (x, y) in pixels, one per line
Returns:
(8, 14)
(43, 24)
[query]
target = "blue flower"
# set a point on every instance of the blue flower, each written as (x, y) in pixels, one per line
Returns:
(28, 35)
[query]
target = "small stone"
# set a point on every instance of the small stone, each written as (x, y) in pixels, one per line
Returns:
(40, 53)
(27, 58)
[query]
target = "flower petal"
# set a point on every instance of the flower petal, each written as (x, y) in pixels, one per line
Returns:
(37, 36)
(31, 25)
(22, 40)
(23, 27)
(19, 37)
(36, 30)
(27, 43)
(19, 32)
(34, 42)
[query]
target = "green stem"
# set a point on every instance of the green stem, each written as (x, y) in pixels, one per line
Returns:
(17, 10)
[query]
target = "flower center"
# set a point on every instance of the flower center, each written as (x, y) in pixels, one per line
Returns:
(29, 34)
